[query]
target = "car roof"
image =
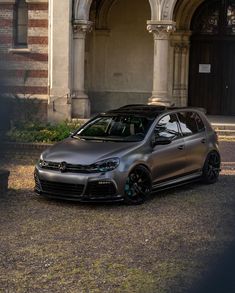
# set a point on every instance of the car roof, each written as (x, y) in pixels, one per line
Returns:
(148, 111)
(139, 110)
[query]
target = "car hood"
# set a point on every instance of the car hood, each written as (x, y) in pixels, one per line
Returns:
(86, 152)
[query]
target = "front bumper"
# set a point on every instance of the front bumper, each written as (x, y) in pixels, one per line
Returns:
(79, 187)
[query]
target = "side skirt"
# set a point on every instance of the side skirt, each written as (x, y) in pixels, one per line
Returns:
(177, 181)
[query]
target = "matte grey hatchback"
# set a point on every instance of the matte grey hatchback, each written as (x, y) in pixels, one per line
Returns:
(126, 153)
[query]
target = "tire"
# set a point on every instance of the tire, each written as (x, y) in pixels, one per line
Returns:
(211, 168)
(138, 185)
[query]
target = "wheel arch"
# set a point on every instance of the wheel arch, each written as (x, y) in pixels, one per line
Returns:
(211, 151)
(143, 164)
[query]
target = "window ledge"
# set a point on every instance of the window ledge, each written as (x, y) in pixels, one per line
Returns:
(19, 50)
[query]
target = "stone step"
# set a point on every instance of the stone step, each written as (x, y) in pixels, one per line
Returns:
(225, 132)
(223, 126)
(227, 137)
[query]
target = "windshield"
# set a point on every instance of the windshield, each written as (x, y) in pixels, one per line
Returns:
(115, 128)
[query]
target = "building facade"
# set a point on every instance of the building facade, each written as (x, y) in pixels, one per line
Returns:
(79, 57)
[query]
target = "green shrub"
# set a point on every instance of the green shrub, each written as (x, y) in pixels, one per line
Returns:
(39, 132)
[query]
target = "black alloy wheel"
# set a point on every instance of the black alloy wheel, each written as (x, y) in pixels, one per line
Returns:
(138, 185)
(211, 168)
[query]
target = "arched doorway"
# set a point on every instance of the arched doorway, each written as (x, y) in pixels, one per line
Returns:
(212, 57)
(119, 54)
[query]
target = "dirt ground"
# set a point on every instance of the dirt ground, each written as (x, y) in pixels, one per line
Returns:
(168, 244)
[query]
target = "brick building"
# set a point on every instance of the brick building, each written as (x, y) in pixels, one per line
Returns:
(24, 49)
(81, 56)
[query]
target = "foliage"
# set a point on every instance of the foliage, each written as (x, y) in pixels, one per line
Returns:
(40, 132)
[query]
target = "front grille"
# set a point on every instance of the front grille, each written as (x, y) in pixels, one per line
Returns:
(101, 189)
(63, 189)
(69, 167)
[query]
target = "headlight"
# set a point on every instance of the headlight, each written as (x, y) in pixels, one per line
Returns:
(105, 165)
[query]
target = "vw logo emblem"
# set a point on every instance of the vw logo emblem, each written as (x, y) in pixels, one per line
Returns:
(62, 167)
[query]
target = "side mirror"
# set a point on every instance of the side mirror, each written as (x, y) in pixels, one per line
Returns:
(161, 141)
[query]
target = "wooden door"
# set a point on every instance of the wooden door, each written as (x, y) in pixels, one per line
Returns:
(206, 76)
(212, 58)
(228, 85)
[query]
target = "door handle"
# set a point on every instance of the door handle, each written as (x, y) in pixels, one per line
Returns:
(181, 147)
(203, 140)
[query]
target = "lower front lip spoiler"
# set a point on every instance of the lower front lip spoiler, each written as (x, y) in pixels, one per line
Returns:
(81, 198)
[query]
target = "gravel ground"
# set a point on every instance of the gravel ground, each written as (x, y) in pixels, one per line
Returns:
(169, 244)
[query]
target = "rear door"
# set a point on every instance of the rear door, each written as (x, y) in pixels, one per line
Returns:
(168, 161)
(195, 139)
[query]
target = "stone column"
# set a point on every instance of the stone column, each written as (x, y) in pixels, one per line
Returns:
(185, 75)
(180, 44)
(60, 32)
(80, 101)
(161, 32)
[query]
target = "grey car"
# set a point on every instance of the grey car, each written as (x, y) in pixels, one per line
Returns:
(126, 153)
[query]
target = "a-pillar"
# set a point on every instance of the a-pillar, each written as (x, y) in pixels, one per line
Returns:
(161, 33)
(80, 101)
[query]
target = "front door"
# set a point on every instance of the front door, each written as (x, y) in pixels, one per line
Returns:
(212, 58)
(168, 161)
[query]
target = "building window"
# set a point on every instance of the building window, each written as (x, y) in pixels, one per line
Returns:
(214, 18)
(206, 20)
(21, 29)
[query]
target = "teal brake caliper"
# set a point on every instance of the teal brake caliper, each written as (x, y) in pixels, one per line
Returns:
(128, 188)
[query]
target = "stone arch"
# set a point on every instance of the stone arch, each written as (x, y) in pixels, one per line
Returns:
(82, 9)
(181, 11)
(168, 9)
(155, 9)
(102, 14)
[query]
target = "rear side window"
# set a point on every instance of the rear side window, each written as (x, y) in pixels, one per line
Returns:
(190, 123)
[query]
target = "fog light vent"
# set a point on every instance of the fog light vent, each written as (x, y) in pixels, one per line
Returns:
(102, 188)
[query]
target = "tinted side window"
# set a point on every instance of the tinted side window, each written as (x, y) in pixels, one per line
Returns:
(167, 127)
(190, 123)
